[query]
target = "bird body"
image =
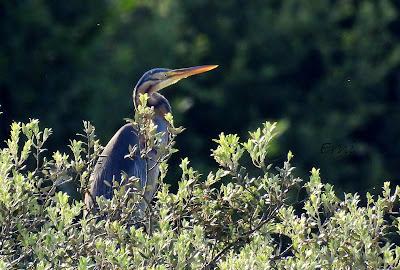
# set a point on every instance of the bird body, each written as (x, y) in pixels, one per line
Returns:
(112, 161)
(115, 158)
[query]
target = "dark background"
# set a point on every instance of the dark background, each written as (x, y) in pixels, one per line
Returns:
(328, 71)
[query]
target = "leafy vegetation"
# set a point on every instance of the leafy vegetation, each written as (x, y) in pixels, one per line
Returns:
(230, 218)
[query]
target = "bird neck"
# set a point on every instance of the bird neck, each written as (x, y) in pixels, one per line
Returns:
(157, 101)
(162, 126)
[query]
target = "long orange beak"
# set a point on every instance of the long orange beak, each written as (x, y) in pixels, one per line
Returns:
(175, 75)
(183, 73)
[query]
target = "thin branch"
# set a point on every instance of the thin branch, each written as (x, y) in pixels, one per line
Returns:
(236, 242)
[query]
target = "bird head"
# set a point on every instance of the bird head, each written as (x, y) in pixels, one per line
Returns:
(159, 78)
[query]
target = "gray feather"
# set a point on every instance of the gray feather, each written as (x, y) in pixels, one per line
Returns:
(113, 161)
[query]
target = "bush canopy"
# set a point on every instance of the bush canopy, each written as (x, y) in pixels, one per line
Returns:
(244, 215)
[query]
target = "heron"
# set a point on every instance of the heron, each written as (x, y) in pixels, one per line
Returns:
(114, 159)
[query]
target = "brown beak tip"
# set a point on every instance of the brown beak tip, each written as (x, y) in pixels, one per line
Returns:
(211, 67)
(201, 69)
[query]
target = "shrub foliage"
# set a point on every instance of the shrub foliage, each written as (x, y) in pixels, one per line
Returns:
(258, 216)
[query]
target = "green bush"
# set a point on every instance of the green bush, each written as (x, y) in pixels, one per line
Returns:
(229, 219)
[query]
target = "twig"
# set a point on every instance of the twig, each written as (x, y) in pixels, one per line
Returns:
(240, 238)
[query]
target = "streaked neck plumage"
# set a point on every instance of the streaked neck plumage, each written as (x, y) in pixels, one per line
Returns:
(156, 100)
(161, 107)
